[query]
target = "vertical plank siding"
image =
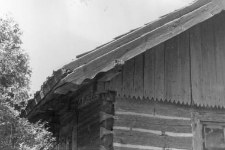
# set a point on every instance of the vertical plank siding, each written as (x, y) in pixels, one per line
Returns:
(128, 82)
(219, 38)
(138, 76)
(187, 69)
(161, 73)
(149, 74)
(207, 47)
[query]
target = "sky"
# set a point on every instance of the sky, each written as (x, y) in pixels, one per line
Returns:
(55, 31)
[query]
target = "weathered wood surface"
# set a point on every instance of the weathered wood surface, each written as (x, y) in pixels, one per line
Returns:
(207, 61)
(153, 124)
(149, 139)
(107, 120)
(159, 72)
(88, 128)
(128, 78)
(138, 76)
(162, 72)
(187, 69)
(149, 73)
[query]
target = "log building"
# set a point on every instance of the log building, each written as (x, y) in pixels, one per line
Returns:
(158, 87)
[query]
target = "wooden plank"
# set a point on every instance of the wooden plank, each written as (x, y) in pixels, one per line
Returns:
(219, 36)
(212, 66)
(138, 46)
(139, 76)
(214, 117)
(197, 131)
(154, 119)
(133, 105)
(171, 69)
(159, 72)
(208, 63)
(151, 107)
(157, 124)
(109, 47)
(222, 37)
(183, 78)
(169, 109)
(149, 139)
(128, 78)
(119, 146)
(149, 73)
(196, 65)
(205, 69)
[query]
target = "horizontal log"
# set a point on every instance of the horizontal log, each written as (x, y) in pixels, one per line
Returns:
(119, 146)
(104, 116)
(149, 139)
(157, 132)
(214, 117)
(150, 115)
(169, 109)
(107, 140)
(108, 123)
(134, 105)
(180, 126)
(151, 107)
(104, 131)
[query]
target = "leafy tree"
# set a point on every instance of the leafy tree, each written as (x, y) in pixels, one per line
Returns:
(15, 132)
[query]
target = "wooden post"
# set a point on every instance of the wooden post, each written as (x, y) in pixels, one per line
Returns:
(106, 126)
(197, 132)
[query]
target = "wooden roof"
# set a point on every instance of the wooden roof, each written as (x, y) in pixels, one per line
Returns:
(77, 73)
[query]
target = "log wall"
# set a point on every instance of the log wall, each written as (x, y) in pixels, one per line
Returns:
(88, 130)
(66, 134)
(187, 69)
(144, 124)
(111, 122)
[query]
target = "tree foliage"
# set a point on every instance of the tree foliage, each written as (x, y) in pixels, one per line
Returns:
(15, 71)
(15, 132)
